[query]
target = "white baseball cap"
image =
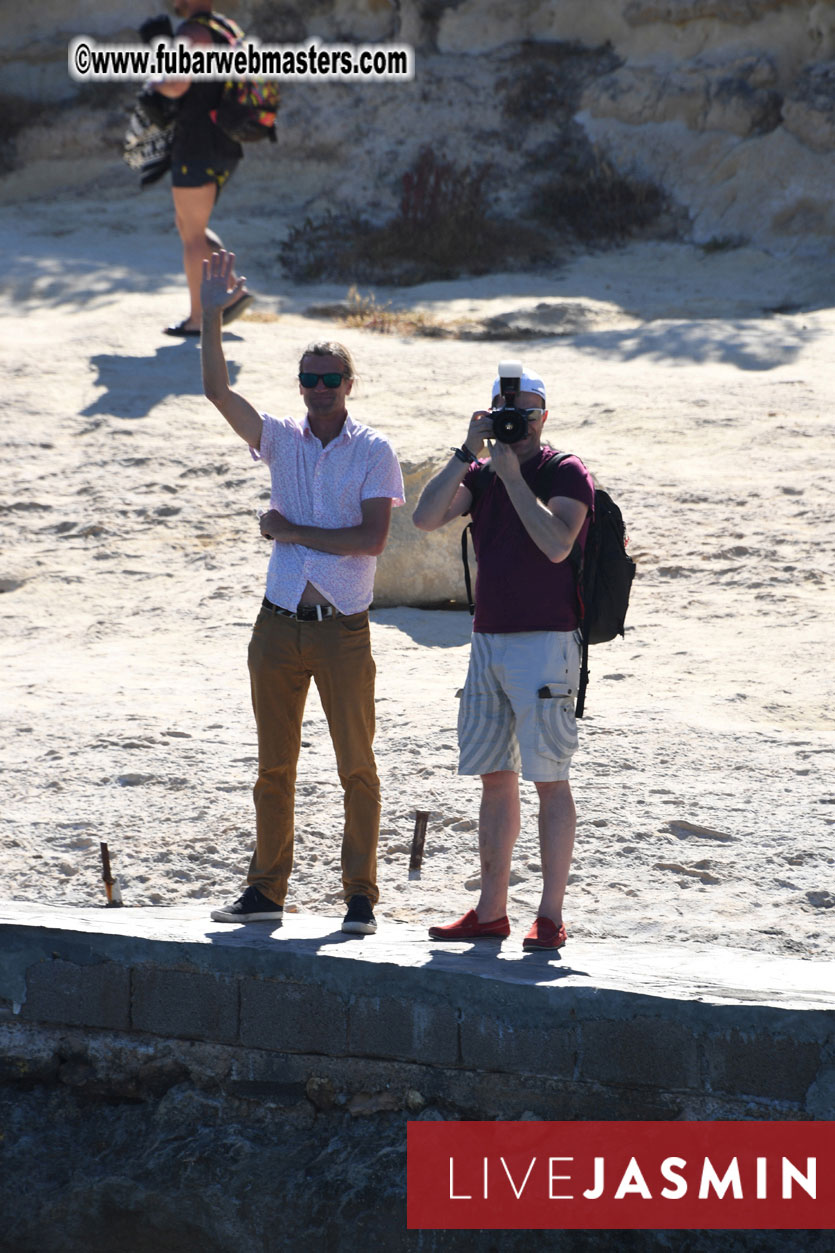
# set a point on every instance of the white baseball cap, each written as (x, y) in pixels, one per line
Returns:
(527, 383)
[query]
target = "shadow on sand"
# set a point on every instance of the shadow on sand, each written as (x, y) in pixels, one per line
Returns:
(136, 385)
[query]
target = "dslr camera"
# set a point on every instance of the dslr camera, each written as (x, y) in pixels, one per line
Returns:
(510, 423)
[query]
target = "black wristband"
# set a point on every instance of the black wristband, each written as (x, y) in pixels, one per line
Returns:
(463, 454)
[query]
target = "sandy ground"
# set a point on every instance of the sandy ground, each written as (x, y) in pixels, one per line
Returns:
(699, 387)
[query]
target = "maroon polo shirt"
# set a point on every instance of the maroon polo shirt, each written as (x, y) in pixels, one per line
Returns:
(517, 587)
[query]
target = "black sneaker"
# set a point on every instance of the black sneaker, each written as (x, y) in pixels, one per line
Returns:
(359, 919)
(253, 906)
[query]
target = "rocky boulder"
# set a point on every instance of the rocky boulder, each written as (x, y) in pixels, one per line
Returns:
(417, 568)
(809, 108)
(735, 95)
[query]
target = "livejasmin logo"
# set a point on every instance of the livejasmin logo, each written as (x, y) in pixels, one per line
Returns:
(632, 1180)
(621, 1175)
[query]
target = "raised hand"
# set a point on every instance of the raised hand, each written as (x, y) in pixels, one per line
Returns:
(215, 291)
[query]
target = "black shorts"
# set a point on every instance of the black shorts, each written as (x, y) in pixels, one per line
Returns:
(199, 172)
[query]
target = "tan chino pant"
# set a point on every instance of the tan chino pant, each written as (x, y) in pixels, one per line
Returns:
(284, 655)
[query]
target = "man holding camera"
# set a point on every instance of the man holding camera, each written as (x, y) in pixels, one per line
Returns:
(334, 483)
(517, 706)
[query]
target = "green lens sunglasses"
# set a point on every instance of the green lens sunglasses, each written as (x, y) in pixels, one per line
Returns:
(308, 379)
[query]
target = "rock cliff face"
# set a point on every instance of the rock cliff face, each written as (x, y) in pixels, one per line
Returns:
(728, 105)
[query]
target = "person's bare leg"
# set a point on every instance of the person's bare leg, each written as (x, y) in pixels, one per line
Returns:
(192, 209)
(498, 829)
(557, 826)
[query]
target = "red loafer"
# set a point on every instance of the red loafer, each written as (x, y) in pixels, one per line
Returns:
(469, 928)
(545, 934)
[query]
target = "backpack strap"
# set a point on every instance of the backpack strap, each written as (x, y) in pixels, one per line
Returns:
(467, 580)
(579, 708)
(576, 559)
(477, 489)
(542, 482)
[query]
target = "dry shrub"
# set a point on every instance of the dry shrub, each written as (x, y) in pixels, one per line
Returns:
(544, 81)
(16, 113)
(442, 229)
(594, 204)
(366, 314)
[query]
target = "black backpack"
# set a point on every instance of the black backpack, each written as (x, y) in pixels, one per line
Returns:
(604, 572)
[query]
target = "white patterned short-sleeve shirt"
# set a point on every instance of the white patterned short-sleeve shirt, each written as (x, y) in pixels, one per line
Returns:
(316, 486)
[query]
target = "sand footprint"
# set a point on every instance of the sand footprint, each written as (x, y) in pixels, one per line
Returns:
(684, 830)
(697, 871)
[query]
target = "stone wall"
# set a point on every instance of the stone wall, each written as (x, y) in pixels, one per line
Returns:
(163, 1079)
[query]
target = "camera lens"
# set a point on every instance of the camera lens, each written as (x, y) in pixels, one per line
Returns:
(510, 425)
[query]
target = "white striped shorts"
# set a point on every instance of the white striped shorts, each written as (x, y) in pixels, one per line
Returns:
(517, 706)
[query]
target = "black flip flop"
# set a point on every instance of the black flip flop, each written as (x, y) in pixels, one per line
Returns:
(234, 311)
(182, 331)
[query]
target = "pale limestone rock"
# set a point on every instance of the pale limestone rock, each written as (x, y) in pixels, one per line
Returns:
(34, 39)
(477, 26)
(739, 12)
(74, 133)
(789, 31)
(52, 21)
(699, 81)
(771, 188)
(809, 110)
(822, 29)
(734, 96)
(420, 568)
(353, 20)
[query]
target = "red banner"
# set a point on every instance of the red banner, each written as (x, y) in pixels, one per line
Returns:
(617, 1175)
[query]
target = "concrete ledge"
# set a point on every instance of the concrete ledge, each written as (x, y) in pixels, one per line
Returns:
(633, 1030)
(406, 1029)
(185, 1003)
(292, 1017)
(488, 1042)
(80, 995)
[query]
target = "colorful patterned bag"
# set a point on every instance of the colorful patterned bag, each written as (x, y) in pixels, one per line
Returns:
(248, 107)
